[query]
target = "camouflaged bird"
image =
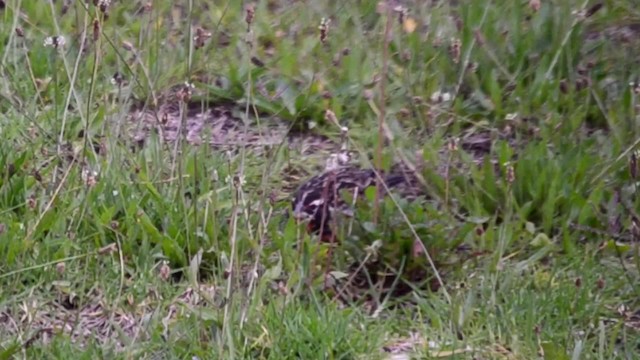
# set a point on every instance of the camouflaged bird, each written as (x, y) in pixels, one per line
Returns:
(318, 199)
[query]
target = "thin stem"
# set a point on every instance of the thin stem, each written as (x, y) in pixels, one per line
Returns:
(382, 114)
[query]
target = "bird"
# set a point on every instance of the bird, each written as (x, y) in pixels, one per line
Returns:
(317, 200)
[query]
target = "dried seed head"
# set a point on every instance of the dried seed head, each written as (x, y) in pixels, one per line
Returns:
(324, 29)
(582, 83)
(578, 282)
(114, 225)
(534, 5)
(127, 46)
(201, 37)
(96, 30)
(459, 23)
(103, 5)
(257, 62)
(282, 288)
(452, 144)
(250, 13)
(238, 180)
(437, 41)
(511, 173)
(89, 177)
(273, 198)
(404, 113)
(455, 50)
(19, 32)
(406, 55)
(185, 92)
(337, 60)
(600, 283)
(615, 224)
(633, 165)
(479, 37)
(581, 70)
(117, 79)
(402, 13)
(594, 9)
(60, 267)
(164, 271)
(37, 176)
(31, 202)
(564, 86)
(331, 117)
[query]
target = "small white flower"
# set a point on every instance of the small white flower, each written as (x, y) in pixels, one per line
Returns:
(336, 160)
(55, 41)
(343, 158)
(237, 180)
(511, 116)
(438, 97)
(86, 173)
(240, 180)
(90, 177)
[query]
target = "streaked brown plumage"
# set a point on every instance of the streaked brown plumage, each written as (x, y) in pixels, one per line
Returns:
(318, 199)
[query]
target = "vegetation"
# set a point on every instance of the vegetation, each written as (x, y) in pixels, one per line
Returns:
(124, 234)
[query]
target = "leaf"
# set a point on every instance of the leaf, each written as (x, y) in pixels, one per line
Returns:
(530, 227)
(194, 266)
(369, 227)
(541, 240)
(205, 314)
(274, 272)
(9, 351)
(338, 275)
(618, 247)
(478, 219)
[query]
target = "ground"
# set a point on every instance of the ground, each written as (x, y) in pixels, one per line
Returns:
(151, 149)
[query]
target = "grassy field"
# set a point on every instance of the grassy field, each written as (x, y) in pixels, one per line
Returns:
(122, 238)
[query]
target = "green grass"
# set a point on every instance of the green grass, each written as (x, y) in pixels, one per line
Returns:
(179, 251)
